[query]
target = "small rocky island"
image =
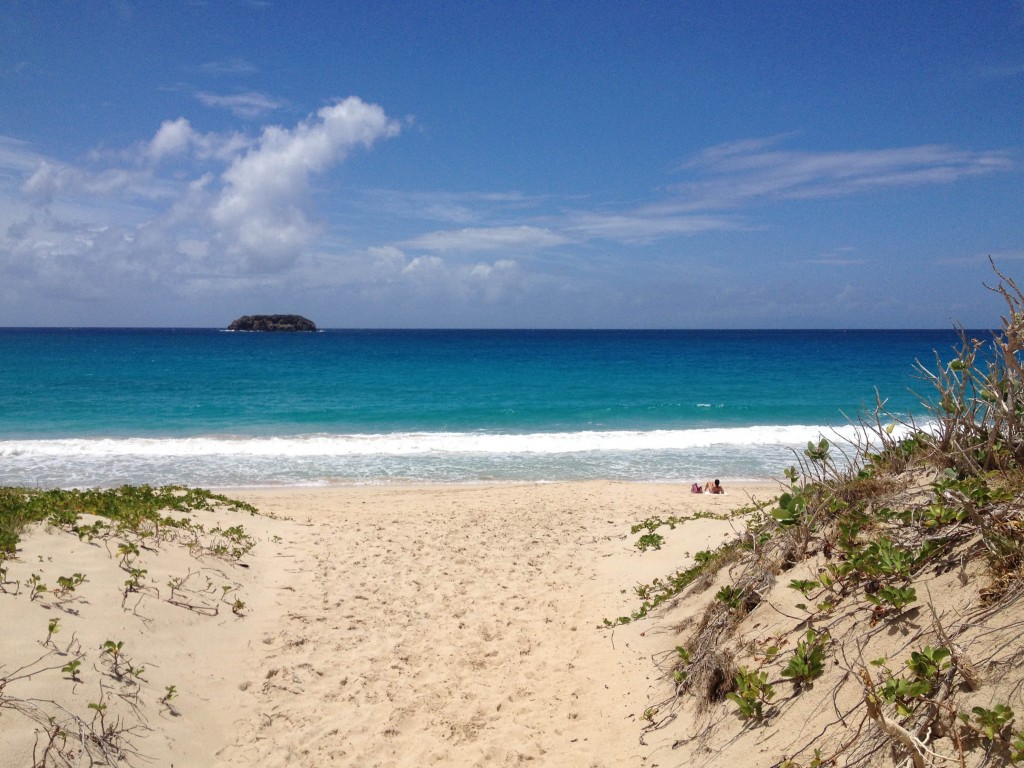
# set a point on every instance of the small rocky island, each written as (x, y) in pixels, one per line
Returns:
(272, 323)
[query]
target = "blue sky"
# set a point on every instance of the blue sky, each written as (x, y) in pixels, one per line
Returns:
(495, 164)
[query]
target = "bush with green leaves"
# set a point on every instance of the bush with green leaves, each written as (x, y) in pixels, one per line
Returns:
(807, 663)
(752, 692)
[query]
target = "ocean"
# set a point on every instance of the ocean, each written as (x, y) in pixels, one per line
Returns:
(211, 408)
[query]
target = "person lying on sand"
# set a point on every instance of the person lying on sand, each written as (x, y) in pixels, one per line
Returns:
(715, 487)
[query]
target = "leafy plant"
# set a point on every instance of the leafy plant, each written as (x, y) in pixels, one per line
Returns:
(790, 510)
(51, 629)
(134, 581)
(991, 721)
(882, 558)
(752, 692)
(170, 692)
(36, 586)
(662, 589)
(731, 596)
(939, 515)
(71, 669)
(68, 584)
(804, 586)
(88, 532)
(1017, 747)
(112, 648)
(817, 453)
(808, 660)
(127, 550)
(899, 691)
(650, 541)
(929, 663)
(892, 597)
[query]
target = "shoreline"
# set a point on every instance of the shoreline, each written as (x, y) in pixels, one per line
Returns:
(387, 625)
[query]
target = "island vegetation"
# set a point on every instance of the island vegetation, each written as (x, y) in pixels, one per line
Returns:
(272, 323)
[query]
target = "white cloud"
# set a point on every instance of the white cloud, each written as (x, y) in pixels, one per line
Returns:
(637, 228)
(487, 239)
(16, 157)
(51, 179)
(177, 138)
(173, 138)
(744, 171)
(180, 214)
(249, 105)
(235, 66)
(424, 265)
(261, 210)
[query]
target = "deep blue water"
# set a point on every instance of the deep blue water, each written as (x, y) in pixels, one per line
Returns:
(208, 407)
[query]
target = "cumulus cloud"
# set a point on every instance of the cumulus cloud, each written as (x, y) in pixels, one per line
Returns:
(430, 274)
(51, 179)
(177, 138)
(261, 207)
(173, 138)
(194, 214)
(489, 282)
(180, 210)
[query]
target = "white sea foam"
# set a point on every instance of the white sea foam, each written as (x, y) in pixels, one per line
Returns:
(742, 453)
(418, 443)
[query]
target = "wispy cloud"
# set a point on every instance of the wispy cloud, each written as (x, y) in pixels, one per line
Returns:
(746, 171)
(449, 207)
(232, 66)
(475, 239)
(248, 105)
(17, 157)
(638, 227)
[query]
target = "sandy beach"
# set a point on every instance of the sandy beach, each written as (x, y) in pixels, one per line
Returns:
(370, 626)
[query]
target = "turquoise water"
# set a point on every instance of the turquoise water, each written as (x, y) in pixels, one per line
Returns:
(89, 407)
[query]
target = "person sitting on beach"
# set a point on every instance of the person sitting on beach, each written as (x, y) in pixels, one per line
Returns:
(695, 488)
(715, 487)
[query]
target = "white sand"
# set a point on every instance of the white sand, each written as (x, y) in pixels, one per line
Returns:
(394, 626)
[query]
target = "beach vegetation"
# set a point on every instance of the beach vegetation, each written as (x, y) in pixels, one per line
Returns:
(127, 551)
(807, 663)
(918, 521)
(52, 628)
(730, 596)
(67, 584)
(929, 664)
(131, 522)
(804, 586)
(894, 598)
(35, 586)
(650, 541)
(661, 590)
(134, 581)
(140, 511)
(752, 692)
(71, 669)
